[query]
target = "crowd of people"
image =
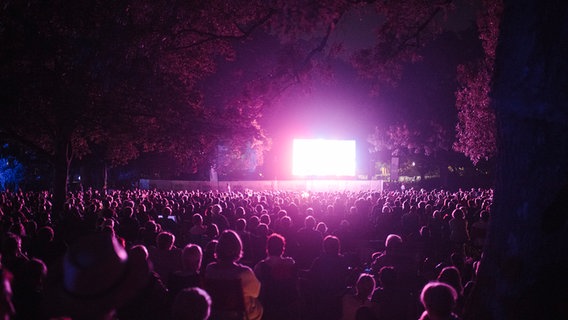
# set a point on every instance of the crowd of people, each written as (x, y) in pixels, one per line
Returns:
(152, 254)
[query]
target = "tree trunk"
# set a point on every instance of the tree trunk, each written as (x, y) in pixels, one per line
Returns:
(105, 177)
(61, 165)
(522, 274)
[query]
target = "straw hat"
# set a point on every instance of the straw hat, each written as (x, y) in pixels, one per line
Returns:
(95, 277)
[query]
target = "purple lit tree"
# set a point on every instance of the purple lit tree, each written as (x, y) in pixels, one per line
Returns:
(121, 77)
(476, 127)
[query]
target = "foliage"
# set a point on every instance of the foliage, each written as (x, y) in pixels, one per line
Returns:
(425, 138)
(408, 26)
(476, 127)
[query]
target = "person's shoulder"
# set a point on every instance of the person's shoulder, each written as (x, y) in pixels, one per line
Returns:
(288, 261)
(243, 267)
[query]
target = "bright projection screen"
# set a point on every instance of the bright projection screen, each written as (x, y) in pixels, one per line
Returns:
(320, 157)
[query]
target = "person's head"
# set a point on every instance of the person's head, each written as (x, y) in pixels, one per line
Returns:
(285, 222)
(253, 222)
(151, 226)
(265, 218)
(438, 299)
(393, 242)
(210, 248)
(457, 214)
(12, 244)
(322, 227)
(425, 232)
(331, 245)
(451, 275)
(365, 285)
(212, 231)
(140, 251)
(191, 304)
(240, 212)
(484, 215)
(97, 276)
(45, 234)
(310, 222)
(262, 230)
(229, 248)
(165, 240)
(275, 245)
(197, 219)
(216, 209)
(191, 257)
(240, 224)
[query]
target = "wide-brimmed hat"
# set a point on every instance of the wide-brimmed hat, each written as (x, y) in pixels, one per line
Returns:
(95, 276)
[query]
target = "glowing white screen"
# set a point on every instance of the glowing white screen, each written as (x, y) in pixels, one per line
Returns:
(319, 157)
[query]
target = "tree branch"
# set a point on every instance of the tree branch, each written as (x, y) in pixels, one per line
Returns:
(210, 36)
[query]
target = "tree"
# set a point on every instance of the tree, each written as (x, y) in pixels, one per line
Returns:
(476, 127)
(523, 262)
(426, 141)
(123, 76)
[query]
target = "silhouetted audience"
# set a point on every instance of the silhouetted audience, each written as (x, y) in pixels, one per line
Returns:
(426, 236)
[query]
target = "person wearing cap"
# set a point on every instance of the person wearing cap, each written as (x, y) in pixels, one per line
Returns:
(95, 277)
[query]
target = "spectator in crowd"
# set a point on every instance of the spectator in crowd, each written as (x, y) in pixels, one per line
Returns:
(208, 255)
(189, 274)
(197, 232)
(364, 288)
(165, 257)
(309, 243)
(452, 276)
(279, 278)
(246, 238)
(13, 258)
(329, 276)
(459, 233)
(258, 243)
(95, 278)
(151, 301)
(392, 301)
(218, 218)
(393, 255)
(225, 271)
(479, 230)
(27, 290)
